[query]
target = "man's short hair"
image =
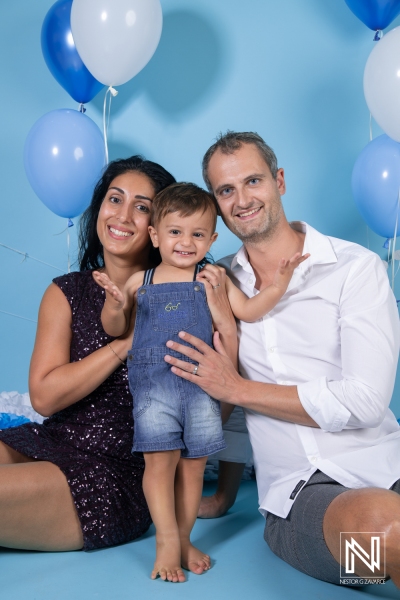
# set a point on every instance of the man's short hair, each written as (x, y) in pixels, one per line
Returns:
(231, 141)
(184, 199)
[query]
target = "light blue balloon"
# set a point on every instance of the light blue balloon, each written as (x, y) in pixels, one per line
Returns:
(64, 157)
(376, 183)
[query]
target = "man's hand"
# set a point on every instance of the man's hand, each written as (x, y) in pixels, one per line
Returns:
(216, 374)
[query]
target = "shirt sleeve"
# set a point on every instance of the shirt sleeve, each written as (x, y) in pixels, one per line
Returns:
(369, 336)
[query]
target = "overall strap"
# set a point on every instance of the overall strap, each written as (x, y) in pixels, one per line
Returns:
(149, 274)
(148, 277)
(197, 270)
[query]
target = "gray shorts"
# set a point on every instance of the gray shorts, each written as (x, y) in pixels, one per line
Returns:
(299, 539)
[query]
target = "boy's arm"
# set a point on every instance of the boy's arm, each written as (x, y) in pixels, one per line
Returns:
(117, 309)
(251, 309)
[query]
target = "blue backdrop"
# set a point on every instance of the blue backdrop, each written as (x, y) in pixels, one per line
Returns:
(290, 70)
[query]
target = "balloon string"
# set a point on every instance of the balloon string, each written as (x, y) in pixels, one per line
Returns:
(68, 245)
(111, 92)
(26, 255)
(105, 127)
(370, 127)
(17, 316)
(394, 239)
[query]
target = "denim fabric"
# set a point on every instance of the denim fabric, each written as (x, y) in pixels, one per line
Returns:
(169, 412)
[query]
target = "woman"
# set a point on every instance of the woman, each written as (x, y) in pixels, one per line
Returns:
(72, 482)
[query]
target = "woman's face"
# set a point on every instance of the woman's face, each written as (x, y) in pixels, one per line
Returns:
(124, 216)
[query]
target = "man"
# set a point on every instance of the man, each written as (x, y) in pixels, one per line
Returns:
(317, 372)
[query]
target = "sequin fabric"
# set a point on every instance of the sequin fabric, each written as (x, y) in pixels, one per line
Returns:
(91, 440)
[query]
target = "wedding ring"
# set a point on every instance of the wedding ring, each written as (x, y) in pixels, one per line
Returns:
(195, 370)
(214, 287)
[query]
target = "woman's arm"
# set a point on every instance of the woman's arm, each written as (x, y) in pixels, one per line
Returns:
(55, 382)
(214, 278)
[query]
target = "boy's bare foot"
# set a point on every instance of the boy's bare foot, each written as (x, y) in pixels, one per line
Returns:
(214, 506)
(168, 562)
(194, 559)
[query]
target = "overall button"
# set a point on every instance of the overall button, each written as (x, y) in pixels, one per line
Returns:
(197, 288)
(142, 291)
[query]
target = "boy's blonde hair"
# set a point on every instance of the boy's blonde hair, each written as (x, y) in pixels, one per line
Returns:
(184, 199)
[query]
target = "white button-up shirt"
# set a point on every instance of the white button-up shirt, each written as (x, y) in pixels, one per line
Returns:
(334, 334)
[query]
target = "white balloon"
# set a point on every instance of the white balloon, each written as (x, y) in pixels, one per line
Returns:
(382, 83)
(116, 38)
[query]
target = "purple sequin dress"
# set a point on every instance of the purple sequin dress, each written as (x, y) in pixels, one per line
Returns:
(91, 440)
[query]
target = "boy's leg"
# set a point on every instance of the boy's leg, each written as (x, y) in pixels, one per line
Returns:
(229, 478)
(158, 488)
(188, 488)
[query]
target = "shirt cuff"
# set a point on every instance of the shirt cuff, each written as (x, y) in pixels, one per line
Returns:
(322, 405)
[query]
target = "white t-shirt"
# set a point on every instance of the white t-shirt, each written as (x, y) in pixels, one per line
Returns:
(335, 334)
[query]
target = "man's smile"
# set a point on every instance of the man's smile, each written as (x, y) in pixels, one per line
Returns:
(249, 213)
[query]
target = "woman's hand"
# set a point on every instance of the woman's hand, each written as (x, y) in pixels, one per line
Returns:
(214, 279)
(215, 374)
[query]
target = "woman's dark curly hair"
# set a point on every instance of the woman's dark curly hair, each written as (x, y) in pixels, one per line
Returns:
(90, 249)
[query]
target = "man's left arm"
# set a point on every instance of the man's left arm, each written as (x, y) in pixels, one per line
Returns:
(369, 330)
(217, 376)
(369, 339)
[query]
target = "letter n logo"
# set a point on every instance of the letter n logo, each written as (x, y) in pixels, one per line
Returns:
(362, 558)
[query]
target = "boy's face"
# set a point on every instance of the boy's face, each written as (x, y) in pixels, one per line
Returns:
(183, 241)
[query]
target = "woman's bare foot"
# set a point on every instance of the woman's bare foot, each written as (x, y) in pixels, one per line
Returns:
(194, 559)
(168, 561)
(215, 506)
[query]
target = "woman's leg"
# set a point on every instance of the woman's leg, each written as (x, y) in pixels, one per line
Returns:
(36, 507)
(188, 488)
(158, 488)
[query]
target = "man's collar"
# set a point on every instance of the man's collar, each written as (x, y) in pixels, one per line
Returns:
(318, 245)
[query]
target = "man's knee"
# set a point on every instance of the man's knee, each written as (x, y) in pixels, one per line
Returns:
(365, 510)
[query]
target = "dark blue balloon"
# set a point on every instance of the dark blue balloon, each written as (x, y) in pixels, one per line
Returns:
(62, 57)
(376, 184)
(375, 14)
(64, 157)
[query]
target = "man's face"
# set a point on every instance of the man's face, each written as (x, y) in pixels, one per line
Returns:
(248, 196)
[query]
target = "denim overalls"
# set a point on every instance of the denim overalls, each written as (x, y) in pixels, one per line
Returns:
(169, 412)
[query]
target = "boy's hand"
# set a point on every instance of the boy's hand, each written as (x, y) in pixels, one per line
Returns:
(114, 292)
(285, 270)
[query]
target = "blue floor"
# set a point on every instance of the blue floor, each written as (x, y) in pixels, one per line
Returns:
(243, 567)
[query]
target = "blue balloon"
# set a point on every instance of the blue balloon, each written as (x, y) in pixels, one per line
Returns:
(62, 57)
(375, 184)
(375, 14)
(64, 157)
